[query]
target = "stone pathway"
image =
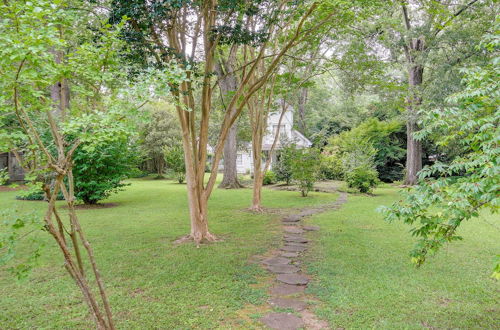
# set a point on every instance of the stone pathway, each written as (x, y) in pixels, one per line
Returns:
(290, 281)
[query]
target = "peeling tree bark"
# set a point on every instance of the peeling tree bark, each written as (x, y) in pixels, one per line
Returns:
(193, 118)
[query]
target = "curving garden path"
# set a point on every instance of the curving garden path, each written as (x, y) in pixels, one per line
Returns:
(290, 281)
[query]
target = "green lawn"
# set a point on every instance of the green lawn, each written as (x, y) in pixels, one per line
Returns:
(364, 278)
(360, 266)
(151, 282)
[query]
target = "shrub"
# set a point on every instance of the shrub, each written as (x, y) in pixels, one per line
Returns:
(305, 168)
(386, 139)
(269, 178)
(35, 193)
(174, 158)
(4, 176)
(330, 166)
(99, 171)
(283, 167)
(362, 178)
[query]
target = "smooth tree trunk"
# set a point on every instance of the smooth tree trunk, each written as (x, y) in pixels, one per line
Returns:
(62, 171)
(259, 124)
(63, 176)
(258, 175)
(228, 84)
(197, 200)
(195, 124)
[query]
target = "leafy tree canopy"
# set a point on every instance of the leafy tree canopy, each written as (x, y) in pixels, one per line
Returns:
(450, 193)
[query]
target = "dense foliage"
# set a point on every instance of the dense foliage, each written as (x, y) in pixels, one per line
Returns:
(4, 176)
(305, 168)
(99, 172)
(385, 139)
(283, 166)
(450, 193)
(159, 131)
(330, 166)
(269, 178)
(363, 178)
(174, 158)
(34, 192)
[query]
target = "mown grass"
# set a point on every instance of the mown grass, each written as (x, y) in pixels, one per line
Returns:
(151, 282)
(364, 278)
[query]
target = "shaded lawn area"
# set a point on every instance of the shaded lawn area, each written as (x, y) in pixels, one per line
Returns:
(364, 278)
(151, 282)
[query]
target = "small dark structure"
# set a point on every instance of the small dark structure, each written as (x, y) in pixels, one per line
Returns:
(9, 161)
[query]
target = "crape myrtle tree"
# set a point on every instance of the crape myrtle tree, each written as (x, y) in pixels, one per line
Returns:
(60, 85)
(272, 98)
(283, 82)
(190, 33)
(259, 108)
(450, 193)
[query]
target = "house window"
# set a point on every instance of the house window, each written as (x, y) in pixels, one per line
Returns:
(282, 130)
(239, 159)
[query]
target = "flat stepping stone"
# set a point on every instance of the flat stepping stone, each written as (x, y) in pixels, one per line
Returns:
(289, 254)
(276, 261)
(283, 269)
(282, 321)
(294, 230)
(292, 218)
(288, 235)
(293, 248)
(293, 279)
(286, 289)
(311, 228)
(295, 244)
(294, 304)
(296, 239)
(307, 213)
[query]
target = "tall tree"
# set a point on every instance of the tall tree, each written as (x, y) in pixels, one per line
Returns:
(457, 190)
(424, 22)
(189, 34)
(228, 84)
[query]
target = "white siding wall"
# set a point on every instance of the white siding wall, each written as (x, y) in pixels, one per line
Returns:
(244, 161)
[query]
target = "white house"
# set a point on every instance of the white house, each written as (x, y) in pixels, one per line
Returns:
(244, 159)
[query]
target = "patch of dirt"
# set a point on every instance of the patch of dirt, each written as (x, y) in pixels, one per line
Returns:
(444, 302)
(322, 186)
(92, 206)
(9, 188)
(427, 325)
(312, 322)
(137, 292)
